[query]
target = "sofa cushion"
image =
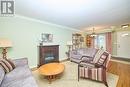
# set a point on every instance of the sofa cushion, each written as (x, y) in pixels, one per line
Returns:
(7, 65)
(20, 62)
(81, 50)
(2, 74)
(90, 52)
(17, 74)
(87, 52)
(20, 77)
(23, 82)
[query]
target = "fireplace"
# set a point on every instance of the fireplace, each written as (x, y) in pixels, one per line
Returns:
(48, 54)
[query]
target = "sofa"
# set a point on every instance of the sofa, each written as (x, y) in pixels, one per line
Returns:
(80, 54)
(21, 76)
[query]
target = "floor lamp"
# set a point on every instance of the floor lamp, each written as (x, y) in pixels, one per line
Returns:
(4, 44)
(69, 45)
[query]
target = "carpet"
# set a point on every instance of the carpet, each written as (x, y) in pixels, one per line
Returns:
(70, 78)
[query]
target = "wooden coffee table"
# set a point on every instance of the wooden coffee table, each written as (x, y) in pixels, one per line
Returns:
(51, 70)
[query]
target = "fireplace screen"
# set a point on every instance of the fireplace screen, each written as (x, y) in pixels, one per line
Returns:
(49, 57)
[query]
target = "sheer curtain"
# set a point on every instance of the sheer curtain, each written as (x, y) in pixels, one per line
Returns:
(103, 41)
(100, 41)
(92, 43)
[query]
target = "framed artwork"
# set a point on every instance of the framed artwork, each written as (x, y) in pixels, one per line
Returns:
(47, 37)
(81, 39)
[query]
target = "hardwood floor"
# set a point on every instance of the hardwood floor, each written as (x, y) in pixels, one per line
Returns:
(123, 71)
(120, 69)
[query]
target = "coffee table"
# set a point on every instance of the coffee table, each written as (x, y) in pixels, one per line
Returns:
(51, 70)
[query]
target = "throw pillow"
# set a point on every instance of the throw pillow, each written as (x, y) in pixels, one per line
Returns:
(7, 65)
(102, 58)
(98, 55)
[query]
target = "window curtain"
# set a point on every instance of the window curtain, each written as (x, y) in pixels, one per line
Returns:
(92, 42)
(109, 42)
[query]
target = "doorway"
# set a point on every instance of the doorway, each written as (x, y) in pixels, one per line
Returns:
(123, 44)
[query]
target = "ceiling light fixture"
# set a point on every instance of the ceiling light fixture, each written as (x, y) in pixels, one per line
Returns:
(126, 34)
(93, 33)
(125, 26)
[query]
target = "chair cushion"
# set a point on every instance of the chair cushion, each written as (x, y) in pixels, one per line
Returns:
(92, 73)
(2, 74)
(7, 65)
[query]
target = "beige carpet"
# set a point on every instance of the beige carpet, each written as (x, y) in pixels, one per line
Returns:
(69, 79)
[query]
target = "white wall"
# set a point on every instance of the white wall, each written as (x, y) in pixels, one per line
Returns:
(123, 44)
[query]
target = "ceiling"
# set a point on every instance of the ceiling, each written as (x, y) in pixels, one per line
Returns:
(78, 14)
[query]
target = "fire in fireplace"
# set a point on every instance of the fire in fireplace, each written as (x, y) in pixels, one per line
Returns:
(49, 57)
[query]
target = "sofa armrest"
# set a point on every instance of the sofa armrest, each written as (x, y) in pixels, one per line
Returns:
(21, 61)
(86, 58)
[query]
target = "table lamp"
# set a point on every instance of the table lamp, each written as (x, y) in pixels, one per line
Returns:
(4, 44)
(69, 44)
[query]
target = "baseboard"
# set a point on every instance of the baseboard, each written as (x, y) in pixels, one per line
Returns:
(34, 68)
(121, 58)
(64, 60)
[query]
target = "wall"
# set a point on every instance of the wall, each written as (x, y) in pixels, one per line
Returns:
(114, 36)
(25, 33)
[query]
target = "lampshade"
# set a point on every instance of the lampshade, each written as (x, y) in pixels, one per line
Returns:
(69, 43)
(5, 43)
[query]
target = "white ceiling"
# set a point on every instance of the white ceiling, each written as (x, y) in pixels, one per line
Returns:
(79, 14)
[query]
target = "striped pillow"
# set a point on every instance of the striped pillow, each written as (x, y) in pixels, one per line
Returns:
(7, 65)
(98, 55)
(102, 58)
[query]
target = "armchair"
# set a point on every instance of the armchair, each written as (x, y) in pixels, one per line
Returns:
(95, 69)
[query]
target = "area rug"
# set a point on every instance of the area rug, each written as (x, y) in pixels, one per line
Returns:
(70, 79)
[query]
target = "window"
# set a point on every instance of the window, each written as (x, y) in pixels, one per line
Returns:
(100, 41)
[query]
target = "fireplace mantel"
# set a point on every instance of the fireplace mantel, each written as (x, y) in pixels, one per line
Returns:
(48, 53)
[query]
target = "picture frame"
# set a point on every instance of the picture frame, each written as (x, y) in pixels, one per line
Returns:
(47, 37)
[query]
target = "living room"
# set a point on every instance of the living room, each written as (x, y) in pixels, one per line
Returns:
(32, 21)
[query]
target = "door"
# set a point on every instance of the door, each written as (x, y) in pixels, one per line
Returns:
(123, 44)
